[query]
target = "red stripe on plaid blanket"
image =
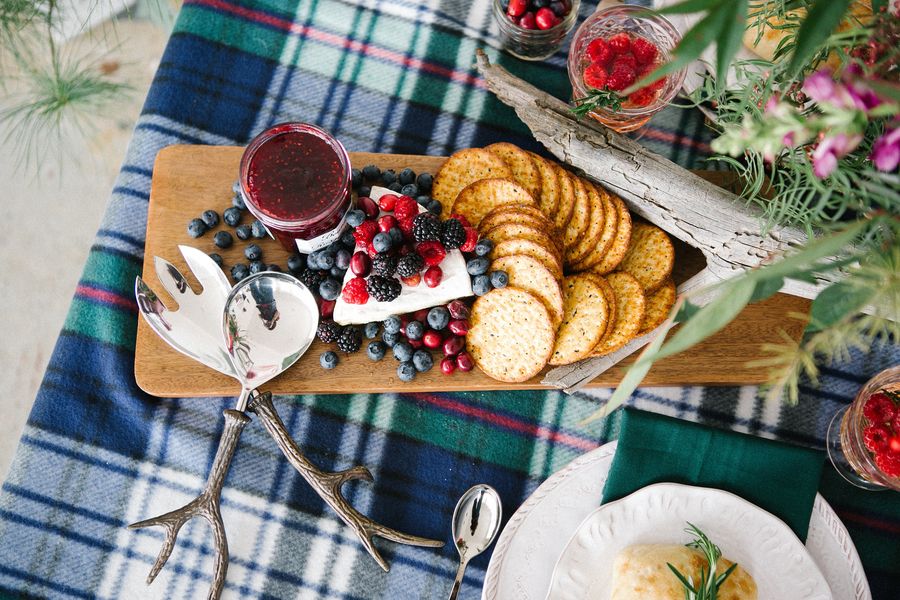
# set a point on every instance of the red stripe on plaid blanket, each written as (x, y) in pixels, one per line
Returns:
(665, 136)
(340, 41)
(106, 297)
(879, 524)
(509, 422)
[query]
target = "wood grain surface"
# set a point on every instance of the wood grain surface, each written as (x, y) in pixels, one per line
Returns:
(190, 179)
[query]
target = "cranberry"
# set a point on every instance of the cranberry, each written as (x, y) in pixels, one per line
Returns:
(458, 309)
(453, 345)
(415, 343)
(360, 264)
(368, 206)
(412, 280)
(448, 365)
(386, 222)
(432, 339)
(464, 361)
(516, 7)
(387, 202)
(527, 21)
(421, 315)
(459, 327)
(433, 276)
(326, 308)
(545, 18)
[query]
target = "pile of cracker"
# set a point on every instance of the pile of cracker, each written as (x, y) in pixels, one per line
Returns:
(584, 279)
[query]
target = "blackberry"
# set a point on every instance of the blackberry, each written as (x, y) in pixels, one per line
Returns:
(350, 339)
(328, 331)
(453, 234)
(312, 279)
(383, 289)
(410, 264)
(426, 227)
(384, 265)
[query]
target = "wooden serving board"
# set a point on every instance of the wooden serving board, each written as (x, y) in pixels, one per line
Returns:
(189, 179)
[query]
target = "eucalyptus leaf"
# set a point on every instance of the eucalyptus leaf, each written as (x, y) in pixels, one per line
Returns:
(837, 302)
(728, 42)
(688, 309)
(689, 6)
(766, 288)
(820, 21)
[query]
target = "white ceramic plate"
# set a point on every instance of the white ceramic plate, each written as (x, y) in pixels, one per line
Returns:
(526, 552)
(758, 541)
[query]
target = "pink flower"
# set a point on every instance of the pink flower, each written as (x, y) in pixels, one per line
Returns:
(820, 87)
(886, 150)
(830, 149)
(850, 93)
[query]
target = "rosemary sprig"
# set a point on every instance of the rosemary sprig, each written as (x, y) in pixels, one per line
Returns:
(707, 588)
(595, 99)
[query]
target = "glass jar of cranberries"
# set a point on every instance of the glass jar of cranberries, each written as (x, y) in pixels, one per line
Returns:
(534, 29)
(613, 49)
(864, 438)
(295, 178)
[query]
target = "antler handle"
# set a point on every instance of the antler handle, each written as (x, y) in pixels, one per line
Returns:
(328, 485)
(206, 505)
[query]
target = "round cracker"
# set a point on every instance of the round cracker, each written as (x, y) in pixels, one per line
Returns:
(463, 168)
(630, 306)
(514, 214)
(531, 248)
(659, 304)
(595, 223)
(566, 203)
(527, 273)
(513, 231)
(610, 297)
(585, 318)
(522, 166)
(578, 223)
(650, 256)
(607, 235)
(613, 256)
(549, 185)
(510, 335)
(480, 197)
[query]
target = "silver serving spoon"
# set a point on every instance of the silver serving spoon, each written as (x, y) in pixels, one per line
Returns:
(476, 522)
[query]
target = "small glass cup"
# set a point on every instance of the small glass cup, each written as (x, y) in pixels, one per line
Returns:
(844, 439)
(533, 44)
(639, 22)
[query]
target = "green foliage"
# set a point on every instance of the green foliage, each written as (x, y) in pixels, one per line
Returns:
(606, 98)
(821, 20)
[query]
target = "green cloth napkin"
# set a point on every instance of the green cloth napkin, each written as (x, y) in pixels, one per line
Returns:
(776, 477)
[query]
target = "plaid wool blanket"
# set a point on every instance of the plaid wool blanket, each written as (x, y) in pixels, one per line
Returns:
(98, 453)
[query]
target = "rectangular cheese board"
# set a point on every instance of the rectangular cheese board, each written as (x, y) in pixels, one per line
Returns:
(189, 179)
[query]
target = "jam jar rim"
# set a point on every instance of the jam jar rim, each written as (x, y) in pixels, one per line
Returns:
(280, 129)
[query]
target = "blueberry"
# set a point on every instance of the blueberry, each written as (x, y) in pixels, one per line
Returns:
(422, 360)
(499, 279)
(540, 3)
(243, 232)
(406, 371)
(258, 230)
(388, 177)
(216, 258)
(237, 201)
(355, 218)
(395, 187)
(295, 262)
(312, 261)
(484, 247)
(342, 259)
(371, 172)
(435, 207)
(392, 324)
(232, 216)
(253, 252)
(406, 176)
(239, 271)
(424, 181)
(333, 247)
(403, 351)
(196, 228)
(274, 268)
(348, 240)
(382, 242)
(371, 330)
(438, 318)
(391, 338)
(356, 178)
(330, 289)
(396, 236)
(223, 239)
(481, 285)
(210, 217)
(477, 266)
(328, 360)
(376, 350)
(423, 200)
(415, 330)
(257, 266)
(236, 186)
(364, 191)
(410, 189)
(325, 261)
(337, 272)
(559, 9)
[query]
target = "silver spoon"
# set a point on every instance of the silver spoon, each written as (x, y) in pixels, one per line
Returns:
(476, 522)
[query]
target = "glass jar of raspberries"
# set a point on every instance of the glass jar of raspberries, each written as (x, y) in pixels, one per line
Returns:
(864, 438)
(534, 29)
(613, 49)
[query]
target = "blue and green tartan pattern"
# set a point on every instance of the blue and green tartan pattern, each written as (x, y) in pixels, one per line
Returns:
(98, 453)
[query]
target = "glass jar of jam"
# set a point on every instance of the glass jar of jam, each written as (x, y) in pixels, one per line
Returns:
(295, 178)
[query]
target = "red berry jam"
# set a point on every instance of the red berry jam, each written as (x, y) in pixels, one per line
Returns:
(296, 180)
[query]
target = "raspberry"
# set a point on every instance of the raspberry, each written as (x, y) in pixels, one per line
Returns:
(598, 51)
(595, 76)
(406, 226)
(471, 240)
(620, 79)
(432, 252)
(626, 59)
(388, 201)
(461, 219)
(877, 438)
(355, 291)
(889, 464)
(364, 233)
(405, 208)
(619, 43)
(642, 97)
(658, 84)
(894, 444)
(879, 408)
(644, 51)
